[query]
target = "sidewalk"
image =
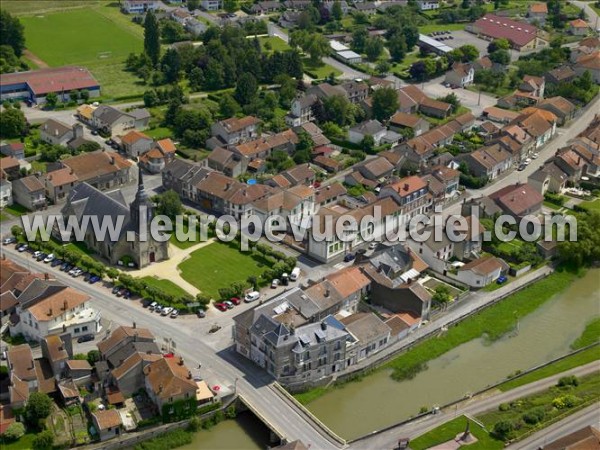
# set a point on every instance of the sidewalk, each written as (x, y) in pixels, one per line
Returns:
(168, 270)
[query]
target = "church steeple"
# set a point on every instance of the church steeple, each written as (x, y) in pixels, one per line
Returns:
(141, 205)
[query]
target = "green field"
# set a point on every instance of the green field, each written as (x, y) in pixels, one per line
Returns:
(28, 7)
(275, 44)
(99, 38)
(319, 71)
(166, 286)
(218, 265)
(426, 29)
(593, 205)
(590, 335)
(450, 430)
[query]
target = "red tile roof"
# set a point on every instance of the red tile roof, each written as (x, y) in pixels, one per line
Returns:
(519, 33)
(55, 79)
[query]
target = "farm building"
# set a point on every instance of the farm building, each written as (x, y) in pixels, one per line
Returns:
(522, 36)
(34, 85)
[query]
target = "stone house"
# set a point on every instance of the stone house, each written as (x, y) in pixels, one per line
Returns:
(29, 192)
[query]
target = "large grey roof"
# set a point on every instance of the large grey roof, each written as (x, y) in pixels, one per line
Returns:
(118, 357)
(107, 114)
(38, 290)
(391, 259)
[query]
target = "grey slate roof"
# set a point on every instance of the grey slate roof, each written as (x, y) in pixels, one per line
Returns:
(55, 128)
(107, 114)
(118, 357)
(391, 259)
(369, 127)
(140, 113)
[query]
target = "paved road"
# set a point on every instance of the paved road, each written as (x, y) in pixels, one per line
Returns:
(577, 421)
(593, 18)
(220, 365)
(474, 406)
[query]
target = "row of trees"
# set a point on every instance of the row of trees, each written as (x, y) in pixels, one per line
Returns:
(12, 43)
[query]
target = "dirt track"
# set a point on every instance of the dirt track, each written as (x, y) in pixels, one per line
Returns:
(41, 64)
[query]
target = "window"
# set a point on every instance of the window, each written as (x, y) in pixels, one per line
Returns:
(84, 328)
(76, 330)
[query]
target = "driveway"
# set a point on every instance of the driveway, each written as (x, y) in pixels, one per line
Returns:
(475, 101)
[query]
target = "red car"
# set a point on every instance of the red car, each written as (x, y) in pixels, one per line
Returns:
(221, 306)
(236, 301)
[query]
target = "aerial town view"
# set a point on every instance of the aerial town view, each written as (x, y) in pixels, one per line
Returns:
(300, 224)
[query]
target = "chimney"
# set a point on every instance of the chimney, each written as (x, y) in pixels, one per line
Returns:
(189, 375)
(112, 160)
(327, 292)
(134, 326)
(323, 325)
(46, 276)
(71, 172)
(181, 361)
(50, 311)
(227, 186)
(77, 130)
(406, 186)
(65, 305)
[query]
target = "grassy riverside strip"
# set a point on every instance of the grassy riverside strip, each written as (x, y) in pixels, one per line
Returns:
(492, 323)
(576, 360)
(590, 335)
(450, 430)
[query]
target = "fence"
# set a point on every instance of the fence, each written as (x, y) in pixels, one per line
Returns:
(481, 391)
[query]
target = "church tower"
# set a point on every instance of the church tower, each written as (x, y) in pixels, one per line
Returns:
(141, 206)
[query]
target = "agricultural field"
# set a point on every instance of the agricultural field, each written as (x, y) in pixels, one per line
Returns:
(99, 38)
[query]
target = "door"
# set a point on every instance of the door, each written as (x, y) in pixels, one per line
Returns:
(152, 257)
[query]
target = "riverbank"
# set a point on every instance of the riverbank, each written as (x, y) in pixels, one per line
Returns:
(492, 323)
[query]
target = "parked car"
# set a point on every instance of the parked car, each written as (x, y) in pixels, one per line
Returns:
(36, 254)
(9, 240)
(527, 161)
(251, 296)
(94, 279)
(121, 292)
(372, 245)
(166, 311)
(86, 276)
(174, 314)
(127, 293)
(85, 338)
(146, 302)
(152, 306)
(522, 167)
(63, 266)
(501, 280)
(116, 289)
(295, 274)
(56, 262)
(221, 306)
(285, 279)
(158, 309)
(235, 300)
(21, 248)
(77, 272)
(535, 156)
(228, 304)
(275, 283)
(201, 313)
(349, 257)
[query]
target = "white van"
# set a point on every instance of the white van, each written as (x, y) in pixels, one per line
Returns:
(251, 296)
(295, 274)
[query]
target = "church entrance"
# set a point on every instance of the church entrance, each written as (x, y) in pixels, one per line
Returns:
(152, 257)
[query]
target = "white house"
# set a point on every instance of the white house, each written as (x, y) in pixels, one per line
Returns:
(460, 75)
(426, 5)
(211, 5)
(61, 310)
(372, 128)
(139, 6)
(480, 272)
(6, 198)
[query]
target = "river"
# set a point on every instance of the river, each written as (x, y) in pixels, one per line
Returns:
(377, 401)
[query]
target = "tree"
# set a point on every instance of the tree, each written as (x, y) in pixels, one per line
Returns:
(230, 6)
(442, 295)
(12, 32)
(373, 48)
(451, 99)
(51, 99)
(503, 429)
(152, 38)
(112, 273)
(214, 75)
(90, 146)
(93, 356)
(359, 39)
(470, 53)
(336, 11)
(196, 78)
(38, 407)
(228, 107)
(193, 5)
(169, 204)
(498, 44)
(317, 48)
(338, 109)
(368, 144)
(150, 98)
(15, 431)
(13, 123)
(385, 103)
(397, 47)
(246, 89)
(382, 68)
(171, 65)
(287, 89)
(500, 56)
(84, 95)
(43, 440)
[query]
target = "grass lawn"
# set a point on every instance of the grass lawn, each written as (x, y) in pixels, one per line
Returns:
(426, 29)
(166, 286)
(219, 265)
(275, 44)
(25, 443)
(78, 247)
(99, 38)
(321, 71)
(450, 430)
(15, 210)
(593, 205)
(587, 392)
(29, 7)
(493, 322)
(437, 121)
(4, 217)
(551, 205)
(159, 133)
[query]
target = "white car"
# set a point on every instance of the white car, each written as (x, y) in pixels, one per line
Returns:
(251, 296)
(174, 314)
(372, 245)
(527, 161)
(152, 306)
(36, 254)
(49, 258)
(166, 311)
